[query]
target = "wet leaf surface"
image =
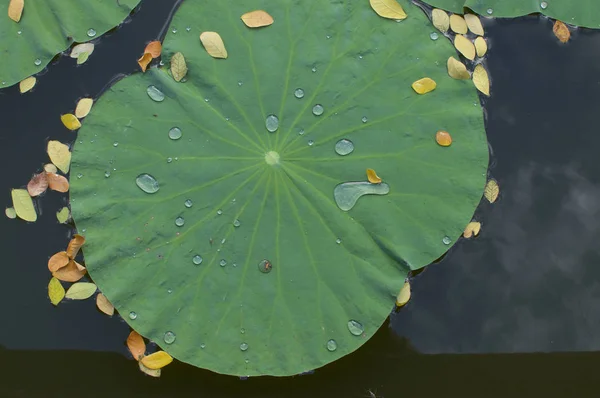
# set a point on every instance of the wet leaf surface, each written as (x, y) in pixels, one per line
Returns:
(79, 49)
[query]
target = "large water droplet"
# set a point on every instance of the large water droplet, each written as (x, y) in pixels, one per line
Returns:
(132, 315)
(265, 266)
(197, 259)
(490, 11)
(203, 346)
(331, 345)
(37, 62)
(272, 123)
(175, 133)
(318, 110)
(179, 221)
(347, 194)
(170, 337)
(298, 93)
(91, 32)
(355, 327)
(188, 203)
(344, 147)
(446, 240)
(244, 346)
(219, 212)
(223, 262)
(155, 93)
(543, 5)
(147, 183)
(433, 36)
(236, 223)
(364, 119)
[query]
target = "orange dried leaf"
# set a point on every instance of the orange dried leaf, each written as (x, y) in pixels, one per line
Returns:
(136, 345)
(37, 185)
(57, 182)
(561, 31)
(70, 273)
(79, 266)
(74, 245)
(153, 48)
(15, 9)
(373, 177)
(443, 138)
(157, 360)
(144, 61)
(58, 261)
(104, 305)
(257, 19)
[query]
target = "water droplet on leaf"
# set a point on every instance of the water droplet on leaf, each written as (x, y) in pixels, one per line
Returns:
(91, 32)
(318, 110)
(132, 315)
(197, 259)
(155, 93)
(347, 194)
(236, 223)
(170, 337)
(355, 327)
(147, 183)
(272, 123)
(543, 5)
(265, 266)
(331, 345)
(299, 93)
(179, 221)
(446, 240)
(188, 203)
(223, 262)
(344, 147)
(433, 36)
(244, 346)
(175, 133)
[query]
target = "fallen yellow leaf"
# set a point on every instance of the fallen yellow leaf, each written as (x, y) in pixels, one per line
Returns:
(440, 20)
(82, 48)
(37, 185)
(458, 24)
(443, 138)
(58, 261)
(480, 46)
(62, 215)
(153, 48)
(465, 47)
(373, 177)
(104, 305)
(491, 191)
(388, 9)
(561, 31)
(15, 9)
(481, 80)
(50, 168)
(149, 372)
(10, 213)
(157, 360)
(59, 155)
(144, 61)
(74, 245)
(23, 205)
(81, 291)
(474, 24)
(70, 121)
(424, 85)
(27, 84)
(56, 291)
(136, 345)
(178, 66)
(404, 295)
(213, 44)
(83, 107)
(457, 70)
(57, 182)
(257, 19)
(472, 229)
(71, 273)
(82, 58)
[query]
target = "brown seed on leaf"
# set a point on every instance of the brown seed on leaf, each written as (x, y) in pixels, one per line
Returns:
(58, 261)
(37, 185)
(561, 31)
(57, 182)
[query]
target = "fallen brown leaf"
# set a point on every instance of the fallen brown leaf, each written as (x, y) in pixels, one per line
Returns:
(37, 185)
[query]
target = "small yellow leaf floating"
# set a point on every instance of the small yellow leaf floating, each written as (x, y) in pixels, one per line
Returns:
(257, 19)
(440, 20)
(27, 84)
(472, 229)
(491, 191)
(37, 185)
(388, 9)
(458, 24)
(136, 345)
(178, 66)
(424, 85)
(74, 245)
(59, 155)
(82, 58)
(82, 48)
(71, 273)
(404, 295)
(62, 215)
(154, 48)
(213, 44)
(144, 61)
(70, 121)
(10, 213)
(50, 168)
(148, 371)
(373, 177)
(15, 9)
(481, 80)
(443, 138)
(474, 24)
(83, 107)
(81, 291)
(457, 70)
(23, 205)
(465, 47)
(58, 261)
(157, 360)
(104, 305)
(56, 291)
(480, 46)
(561, 31)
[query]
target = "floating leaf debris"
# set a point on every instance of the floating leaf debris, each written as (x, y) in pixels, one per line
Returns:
(491, 191)
(388, 9)
(472, 229)
(213, 43)
(257, 19)
(457, 70)
(373, 177)
(481, 79)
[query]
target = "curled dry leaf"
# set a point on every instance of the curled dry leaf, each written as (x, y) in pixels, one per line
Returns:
(157, 360)
(440, 20)
(481, 80)
(15, 9)
(27, 84)
(104, 305)
(465, 47)
(257, 19)
(458, 24)
(388, 9)
(148, 371)
(81, 291)
(424, 85)
(561, 31)
(83, 107)
(56, 291)
(136, 345)
(491, 191)
(50, 168)
(70, 121)
(59, 155)
(74, 245)
(57, 182)
(62, 215)
(474, 24)
(70, 273)
(154, 48)
(144, 61)
(404, 295)
(23, 205)
(58, 261)
(37, 185)
(82, 48)
(480, 46)
(10, 213)
(472, 229)
(373, 177)
(213, 44)
(443, 138)
(457, 70)
(178, 66)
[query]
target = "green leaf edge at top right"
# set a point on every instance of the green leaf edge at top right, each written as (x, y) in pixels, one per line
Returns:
(585, 14)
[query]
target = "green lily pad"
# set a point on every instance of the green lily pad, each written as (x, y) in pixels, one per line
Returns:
(48, 27)
(222, 241)
(584, 13)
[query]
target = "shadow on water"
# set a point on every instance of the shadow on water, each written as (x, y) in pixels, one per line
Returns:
(528, 284)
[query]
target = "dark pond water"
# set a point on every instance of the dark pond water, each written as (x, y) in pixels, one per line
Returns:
(513, 313)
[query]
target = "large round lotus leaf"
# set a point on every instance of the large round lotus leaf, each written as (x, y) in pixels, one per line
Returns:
(328, 266)
(581, 12)
(48, 27)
